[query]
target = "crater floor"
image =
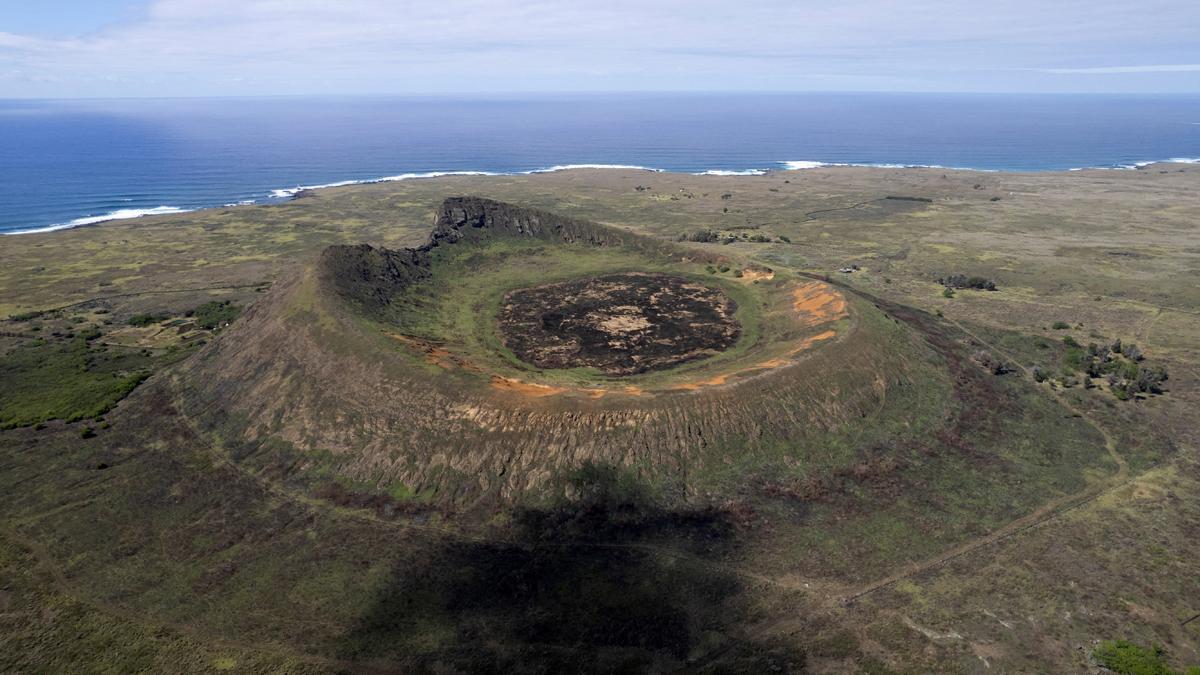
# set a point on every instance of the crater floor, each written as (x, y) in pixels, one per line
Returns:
(619, 324)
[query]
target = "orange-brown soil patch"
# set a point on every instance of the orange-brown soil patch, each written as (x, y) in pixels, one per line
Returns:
(817, 303)
(432, 351)
(509, 384)
(810, 341)
(752, 274)
(765, 365)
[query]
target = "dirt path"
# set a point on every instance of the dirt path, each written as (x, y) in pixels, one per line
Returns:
(1046, 512)
(812, 215)
(1110, 443)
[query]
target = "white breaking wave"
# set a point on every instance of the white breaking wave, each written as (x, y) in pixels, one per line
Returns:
(731, 172)
(285, 193)
(119, 214)
(802, 164)
(568, 167)
(807, 164)
(1139, 165)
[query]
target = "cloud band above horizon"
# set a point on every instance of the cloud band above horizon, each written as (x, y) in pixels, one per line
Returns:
(236, 47)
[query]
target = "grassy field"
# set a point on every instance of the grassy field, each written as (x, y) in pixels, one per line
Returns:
(892, 507)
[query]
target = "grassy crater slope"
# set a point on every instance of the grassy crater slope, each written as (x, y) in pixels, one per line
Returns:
(384, 368)
(381, 372)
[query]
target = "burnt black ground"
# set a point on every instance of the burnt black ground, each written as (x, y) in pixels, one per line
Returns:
(620, 324)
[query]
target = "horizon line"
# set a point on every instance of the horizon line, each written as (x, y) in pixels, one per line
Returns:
(607, 92)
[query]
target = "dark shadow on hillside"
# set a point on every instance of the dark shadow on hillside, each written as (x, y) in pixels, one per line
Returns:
(583, 586)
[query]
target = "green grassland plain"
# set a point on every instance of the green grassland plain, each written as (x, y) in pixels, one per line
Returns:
(154, 548)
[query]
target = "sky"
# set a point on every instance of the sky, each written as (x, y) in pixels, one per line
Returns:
(143, 48)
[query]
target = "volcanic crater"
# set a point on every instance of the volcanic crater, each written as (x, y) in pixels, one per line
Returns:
(620, 324)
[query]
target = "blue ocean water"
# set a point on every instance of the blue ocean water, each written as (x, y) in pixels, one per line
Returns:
(75, 162)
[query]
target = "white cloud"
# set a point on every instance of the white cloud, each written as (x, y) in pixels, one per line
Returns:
(312, 46)
(1113, 70)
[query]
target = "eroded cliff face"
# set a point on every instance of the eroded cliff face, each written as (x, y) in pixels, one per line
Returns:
(466, 218)
(370, 278)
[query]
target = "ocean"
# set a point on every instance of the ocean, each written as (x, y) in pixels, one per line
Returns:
(69, 163)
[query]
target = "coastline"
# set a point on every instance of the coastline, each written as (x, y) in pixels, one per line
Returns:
(280, 195)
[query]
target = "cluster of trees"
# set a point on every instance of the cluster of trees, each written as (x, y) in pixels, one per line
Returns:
(1120, 365)
(713, 236)
(963, 281)
(215, 314)
(702, 236)
(143, 320)
(211, 315)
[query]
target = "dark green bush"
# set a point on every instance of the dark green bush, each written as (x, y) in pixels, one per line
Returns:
(1126, 658)
(142, 320)
(212, 315)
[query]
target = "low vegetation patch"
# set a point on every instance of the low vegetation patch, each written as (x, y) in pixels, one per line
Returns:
(964, 281)
(215, 314)
(1120, 365)
(143, 320)
(1127, 658)
(70, 379)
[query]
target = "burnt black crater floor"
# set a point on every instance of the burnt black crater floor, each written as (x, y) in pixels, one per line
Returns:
(620, 324)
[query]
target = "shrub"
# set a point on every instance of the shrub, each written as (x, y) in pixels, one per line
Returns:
(964, 281)
(1150, 380)
(1061, 325)
(214, 314)
(87, 432)
(702, 236)
(991, 363)
(947, 292)
(1077, 358)
(785, 239)
(142, 320)
(1127, 658)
